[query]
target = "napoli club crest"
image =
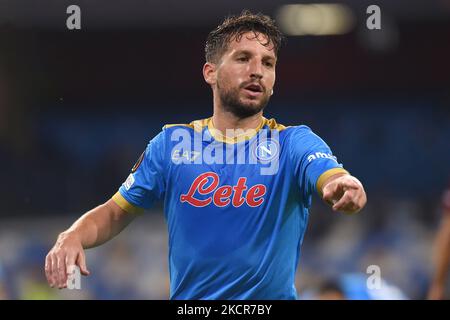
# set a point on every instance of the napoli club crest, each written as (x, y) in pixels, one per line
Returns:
(267, 150)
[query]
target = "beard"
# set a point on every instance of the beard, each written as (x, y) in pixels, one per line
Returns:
(232, 102)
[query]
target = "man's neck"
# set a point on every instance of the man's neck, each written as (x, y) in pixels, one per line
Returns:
(223, 120)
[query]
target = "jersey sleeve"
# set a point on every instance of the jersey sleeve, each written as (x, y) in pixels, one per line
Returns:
(146, 182)
(313, 160)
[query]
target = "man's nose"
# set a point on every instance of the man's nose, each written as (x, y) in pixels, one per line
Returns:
(256, 70)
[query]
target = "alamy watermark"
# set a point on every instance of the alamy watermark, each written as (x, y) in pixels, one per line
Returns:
(374, 279)
(373, 22)
(73, 21)
(263, 148)
(73, 278)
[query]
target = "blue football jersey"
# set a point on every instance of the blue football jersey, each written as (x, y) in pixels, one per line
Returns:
(236, 209)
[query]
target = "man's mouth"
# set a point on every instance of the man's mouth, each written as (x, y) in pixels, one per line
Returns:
(253, 90)
(253, 87)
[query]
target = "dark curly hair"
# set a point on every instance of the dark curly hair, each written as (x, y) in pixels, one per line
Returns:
(233, 27)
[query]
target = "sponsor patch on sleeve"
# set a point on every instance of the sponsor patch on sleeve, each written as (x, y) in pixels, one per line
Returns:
(129, 182)
(321, 155)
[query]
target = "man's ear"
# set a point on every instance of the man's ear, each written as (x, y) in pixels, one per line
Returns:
(209, 73)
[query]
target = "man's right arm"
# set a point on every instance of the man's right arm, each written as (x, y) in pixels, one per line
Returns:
(94, 228)
(441, 257)
(142, 188)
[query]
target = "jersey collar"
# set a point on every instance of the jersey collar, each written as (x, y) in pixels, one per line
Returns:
(247, 135)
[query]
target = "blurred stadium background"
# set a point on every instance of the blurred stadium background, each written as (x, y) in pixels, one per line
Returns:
(78, 107)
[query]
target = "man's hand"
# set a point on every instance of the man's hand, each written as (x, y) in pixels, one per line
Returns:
(92, 229)
(344, 193)
(67, 252)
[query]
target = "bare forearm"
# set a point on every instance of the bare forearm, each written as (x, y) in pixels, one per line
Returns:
(99, 225)
(92, 229)
(442, 252)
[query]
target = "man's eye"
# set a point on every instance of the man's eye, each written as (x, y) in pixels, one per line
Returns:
(242, 59)
(269, 64)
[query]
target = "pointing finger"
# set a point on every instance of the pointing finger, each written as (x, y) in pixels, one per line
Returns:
(343, 201)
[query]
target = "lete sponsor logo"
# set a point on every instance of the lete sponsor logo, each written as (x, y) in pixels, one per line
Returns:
(208, 184)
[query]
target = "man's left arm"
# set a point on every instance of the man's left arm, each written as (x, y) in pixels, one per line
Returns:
(344, 193)
(317, 170)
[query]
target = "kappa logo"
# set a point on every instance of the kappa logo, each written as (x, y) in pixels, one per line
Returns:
(267, 150)
(208, 184)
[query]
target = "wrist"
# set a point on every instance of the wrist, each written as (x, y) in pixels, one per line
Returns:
(68, 235)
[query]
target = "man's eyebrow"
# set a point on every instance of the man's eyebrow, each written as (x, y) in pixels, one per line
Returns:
(238, 52)
(246, 52)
